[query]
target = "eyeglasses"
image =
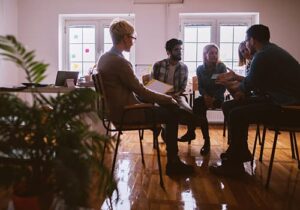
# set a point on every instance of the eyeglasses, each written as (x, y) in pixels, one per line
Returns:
(132, 37)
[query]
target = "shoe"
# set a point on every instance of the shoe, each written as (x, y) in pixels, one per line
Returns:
(245, 157)
(188, 137)
(228, 169)
(205, 149)
(179, 168)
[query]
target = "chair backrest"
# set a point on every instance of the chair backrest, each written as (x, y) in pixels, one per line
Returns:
(146, 78)
(194, 83)
(102, 107)
(195, 88)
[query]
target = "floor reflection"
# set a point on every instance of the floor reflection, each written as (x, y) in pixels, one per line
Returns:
(139, 187)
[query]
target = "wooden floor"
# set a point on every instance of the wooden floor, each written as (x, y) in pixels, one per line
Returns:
(139, 186)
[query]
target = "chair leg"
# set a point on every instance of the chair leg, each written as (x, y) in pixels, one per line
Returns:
(272, 158)
(115, 155)
(254, 149)
(159, 164)
(224, 126)
(292, 144)
(104, 148)
(141, 134)
(257, 135)
(262, 143)
(296, 148)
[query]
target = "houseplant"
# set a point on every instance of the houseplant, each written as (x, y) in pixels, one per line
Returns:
(47, 145)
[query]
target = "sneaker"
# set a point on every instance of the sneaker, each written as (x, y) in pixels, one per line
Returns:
(179, 168)
(188, 137)
(228, 169)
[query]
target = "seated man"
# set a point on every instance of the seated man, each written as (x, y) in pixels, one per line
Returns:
(122, 88)
(174, 72)
(276, 74)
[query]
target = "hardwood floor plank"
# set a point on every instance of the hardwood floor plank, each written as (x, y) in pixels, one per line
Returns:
(139, 185)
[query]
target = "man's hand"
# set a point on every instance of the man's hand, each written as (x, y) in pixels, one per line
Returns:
(228, 76)
(174, 102)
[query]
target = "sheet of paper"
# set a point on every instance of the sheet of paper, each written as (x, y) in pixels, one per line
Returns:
(159, 86)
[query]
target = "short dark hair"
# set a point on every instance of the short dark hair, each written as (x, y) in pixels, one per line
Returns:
(259, 32)
(172, 43)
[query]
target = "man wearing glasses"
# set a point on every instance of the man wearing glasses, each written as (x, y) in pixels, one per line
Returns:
(123, 89)
(276, 74)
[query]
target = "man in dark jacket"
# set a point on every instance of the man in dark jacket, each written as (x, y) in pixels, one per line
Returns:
(276, 74)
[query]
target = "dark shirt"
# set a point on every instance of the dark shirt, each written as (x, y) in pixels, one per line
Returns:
(274, 72)
(206, 85)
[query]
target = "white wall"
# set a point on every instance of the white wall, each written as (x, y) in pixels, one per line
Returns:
(38, 23)
(8, 25)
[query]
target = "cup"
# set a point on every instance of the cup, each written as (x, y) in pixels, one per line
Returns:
(87, 78)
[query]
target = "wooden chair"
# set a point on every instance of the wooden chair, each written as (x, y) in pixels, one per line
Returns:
(122, 126)
(278, 127)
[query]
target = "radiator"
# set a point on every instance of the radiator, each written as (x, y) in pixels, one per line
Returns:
(215, 116)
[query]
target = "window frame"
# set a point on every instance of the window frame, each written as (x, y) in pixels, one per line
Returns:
(100, 22)
(215, 20)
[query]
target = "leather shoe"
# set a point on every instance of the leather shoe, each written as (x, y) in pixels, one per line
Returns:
(244, 157)
(178, 168)
(228, 169)
(188, 137)
(205, 149)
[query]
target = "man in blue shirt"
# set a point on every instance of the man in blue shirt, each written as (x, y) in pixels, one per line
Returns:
(276, 74)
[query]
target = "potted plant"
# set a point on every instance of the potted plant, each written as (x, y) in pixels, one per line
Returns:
(46, 149)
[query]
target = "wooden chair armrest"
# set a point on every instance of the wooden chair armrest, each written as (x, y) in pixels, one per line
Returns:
(291, 107)
(139, 106)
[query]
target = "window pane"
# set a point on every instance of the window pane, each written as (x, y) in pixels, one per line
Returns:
(75, 52)
(192, 68)
(204, 34)
(225, 52)
(189, 52)
(226, 33)
(239, 33)
(236, 52)
(228, 64)
(89, 52)
(86, 67)
(200, 51)
(190, 34)
(107, 47)
(75, 35)
(89, 35)
(126, 55)
(75, 66)
(107, 37)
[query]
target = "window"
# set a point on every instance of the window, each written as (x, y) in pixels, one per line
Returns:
(225, 30)
(84, 38)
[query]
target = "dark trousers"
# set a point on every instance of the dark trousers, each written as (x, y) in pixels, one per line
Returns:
(253, 110)
(229, 105)
(167, 115)
(200, 110)
(185, 114)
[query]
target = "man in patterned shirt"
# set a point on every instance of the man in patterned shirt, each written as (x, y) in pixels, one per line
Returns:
(174, 72)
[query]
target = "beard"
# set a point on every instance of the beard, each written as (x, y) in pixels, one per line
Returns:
(176, 57)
